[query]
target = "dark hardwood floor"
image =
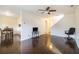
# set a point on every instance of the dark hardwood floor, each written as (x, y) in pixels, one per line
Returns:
(55, 45)
(44, 44)
(61, 43)
(39, 45)
(13, 48)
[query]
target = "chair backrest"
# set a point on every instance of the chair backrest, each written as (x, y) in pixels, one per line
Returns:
(72, 31)
(35, 29)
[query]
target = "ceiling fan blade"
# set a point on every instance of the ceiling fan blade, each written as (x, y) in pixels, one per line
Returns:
(47, 8)
(41, 10)
(52, 10)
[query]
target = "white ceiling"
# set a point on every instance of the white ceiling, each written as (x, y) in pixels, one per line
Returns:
(60, 9)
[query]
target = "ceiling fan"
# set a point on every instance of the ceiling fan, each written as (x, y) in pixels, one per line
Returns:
(48, 10)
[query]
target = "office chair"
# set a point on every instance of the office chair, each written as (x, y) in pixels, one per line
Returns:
(71, 31)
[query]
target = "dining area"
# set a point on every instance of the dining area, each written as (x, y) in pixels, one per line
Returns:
(9, 41)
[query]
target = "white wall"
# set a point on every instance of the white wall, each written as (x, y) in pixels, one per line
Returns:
(64, 24)
(8, 21)
(29, 21)
(77, 24)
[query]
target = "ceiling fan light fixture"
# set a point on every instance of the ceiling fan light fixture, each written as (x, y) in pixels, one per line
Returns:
(47, 10)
